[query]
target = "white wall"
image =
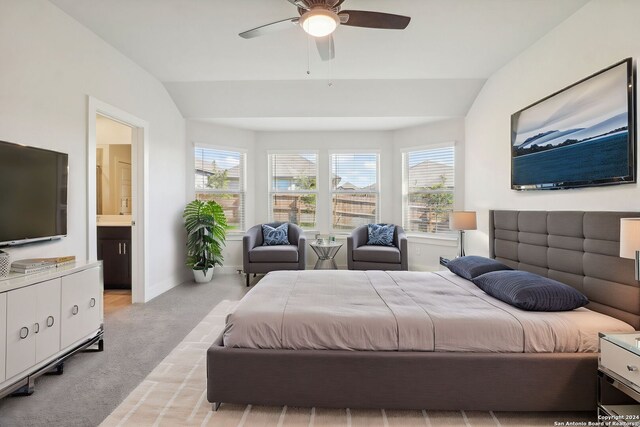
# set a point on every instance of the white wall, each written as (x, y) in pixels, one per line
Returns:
(424, 252)
(600, 34)
(50, 64)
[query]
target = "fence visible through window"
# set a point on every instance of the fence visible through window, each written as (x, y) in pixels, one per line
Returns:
(429, 176)
(293, 194)
(355, 190)
(219, 176)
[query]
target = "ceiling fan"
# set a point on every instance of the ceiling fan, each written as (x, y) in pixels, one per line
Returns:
(320, 18)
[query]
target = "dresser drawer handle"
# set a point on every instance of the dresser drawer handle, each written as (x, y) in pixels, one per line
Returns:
(24, 332)
(632, 368)
(50, 321)
(92, 302)
(74, 310)
(36, 328)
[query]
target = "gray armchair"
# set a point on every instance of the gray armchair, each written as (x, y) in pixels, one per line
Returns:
(361, 256)
(263, 259)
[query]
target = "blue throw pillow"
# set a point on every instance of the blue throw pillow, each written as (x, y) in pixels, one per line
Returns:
(380, 234)
(470, 267)
(530, 292)
(275, 236)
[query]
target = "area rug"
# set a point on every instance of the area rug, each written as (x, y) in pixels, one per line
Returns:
(174, 394)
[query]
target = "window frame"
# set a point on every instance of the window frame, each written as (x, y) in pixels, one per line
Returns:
(242, 190)
(332, 192)
(271, 191)
(405, 187)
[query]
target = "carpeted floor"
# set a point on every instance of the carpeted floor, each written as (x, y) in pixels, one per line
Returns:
(174, 394)
(137, 339)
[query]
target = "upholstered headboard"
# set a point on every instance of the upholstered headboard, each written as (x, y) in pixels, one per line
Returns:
(577, 248)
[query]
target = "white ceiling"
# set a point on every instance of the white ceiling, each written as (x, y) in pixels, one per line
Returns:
(197, 41)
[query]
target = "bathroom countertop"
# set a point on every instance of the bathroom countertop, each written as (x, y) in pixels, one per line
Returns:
(114, 221)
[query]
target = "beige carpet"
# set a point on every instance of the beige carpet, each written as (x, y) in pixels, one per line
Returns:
(174, 394)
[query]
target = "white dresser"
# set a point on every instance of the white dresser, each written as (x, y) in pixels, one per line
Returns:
(49, 317)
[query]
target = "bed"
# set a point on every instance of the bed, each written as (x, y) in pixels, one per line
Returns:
(403, 364)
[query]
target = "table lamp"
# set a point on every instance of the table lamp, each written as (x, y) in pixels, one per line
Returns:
(461, 221)
(630, 241)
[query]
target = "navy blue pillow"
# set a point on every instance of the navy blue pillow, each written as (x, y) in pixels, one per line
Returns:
(470, 267)
(530, 292)
(380, 234)
(275, 236)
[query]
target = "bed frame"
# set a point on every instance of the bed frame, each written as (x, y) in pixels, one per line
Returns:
(577, 248)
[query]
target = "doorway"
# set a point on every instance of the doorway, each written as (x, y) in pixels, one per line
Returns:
(117, 200)
(114, 141)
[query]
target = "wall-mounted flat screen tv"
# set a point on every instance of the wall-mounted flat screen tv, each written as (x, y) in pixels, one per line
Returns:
(33, 194)
(581, 136)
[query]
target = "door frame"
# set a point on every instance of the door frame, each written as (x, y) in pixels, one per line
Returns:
(139, 192)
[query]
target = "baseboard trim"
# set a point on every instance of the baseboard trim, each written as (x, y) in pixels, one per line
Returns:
(227, 269)
(160, 288)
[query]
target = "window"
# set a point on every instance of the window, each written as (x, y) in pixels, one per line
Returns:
(220, 177)
(354, 189)
(293, 188)
(429, 185)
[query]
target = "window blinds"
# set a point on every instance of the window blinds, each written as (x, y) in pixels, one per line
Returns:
(430, 183)
(355, 189)
(220, 176)
(293, 193)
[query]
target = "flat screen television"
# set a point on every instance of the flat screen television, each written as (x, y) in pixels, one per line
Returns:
(581, 136)
(33, 194)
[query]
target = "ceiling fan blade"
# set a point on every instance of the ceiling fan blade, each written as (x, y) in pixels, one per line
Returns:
(270, 28)
(299, 3)
(387, 21)
(326, 47)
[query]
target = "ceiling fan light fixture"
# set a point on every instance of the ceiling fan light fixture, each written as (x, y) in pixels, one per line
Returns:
(320, 22)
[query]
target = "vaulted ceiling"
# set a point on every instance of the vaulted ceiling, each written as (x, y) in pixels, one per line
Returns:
(433, 69)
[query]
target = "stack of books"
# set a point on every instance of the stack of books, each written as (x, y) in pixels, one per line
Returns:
(34, 265)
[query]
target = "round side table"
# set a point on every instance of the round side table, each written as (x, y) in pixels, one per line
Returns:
(326, 252)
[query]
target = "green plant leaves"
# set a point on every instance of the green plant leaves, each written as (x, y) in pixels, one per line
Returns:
(206, 227)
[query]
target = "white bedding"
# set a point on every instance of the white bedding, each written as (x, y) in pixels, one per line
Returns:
(405, 311)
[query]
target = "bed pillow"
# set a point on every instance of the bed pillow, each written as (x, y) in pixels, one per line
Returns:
(470, 267)
(380, 234)
(530, 292)
(275, 236)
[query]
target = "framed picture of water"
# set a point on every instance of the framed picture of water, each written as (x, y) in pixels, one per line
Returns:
(581, 136)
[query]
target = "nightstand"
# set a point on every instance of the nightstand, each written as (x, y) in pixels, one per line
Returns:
(619, 371)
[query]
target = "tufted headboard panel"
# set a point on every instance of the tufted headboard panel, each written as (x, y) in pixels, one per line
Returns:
(577, 248)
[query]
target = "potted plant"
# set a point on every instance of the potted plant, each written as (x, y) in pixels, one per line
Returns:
(206, 227)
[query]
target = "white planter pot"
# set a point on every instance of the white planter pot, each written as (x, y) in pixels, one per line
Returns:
(200, 277)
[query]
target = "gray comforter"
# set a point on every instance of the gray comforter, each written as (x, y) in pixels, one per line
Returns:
(405, 311)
